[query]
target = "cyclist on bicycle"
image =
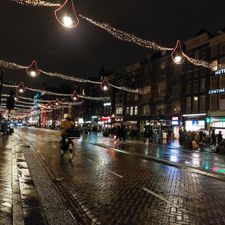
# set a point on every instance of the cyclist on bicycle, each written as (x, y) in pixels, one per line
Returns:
(66, 125)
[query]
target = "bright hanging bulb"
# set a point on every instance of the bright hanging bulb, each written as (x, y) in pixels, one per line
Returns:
(67, 15)
(177, 54)
(33, 70)
(57, 102)
(104, 85)
(21, 88)
(74, 96)
(16, 97)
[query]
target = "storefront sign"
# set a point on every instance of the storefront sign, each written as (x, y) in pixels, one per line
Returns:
(106, 118)
(220, 72)
(107, 104)
(175, 118)
(216, 91)
(175, 122)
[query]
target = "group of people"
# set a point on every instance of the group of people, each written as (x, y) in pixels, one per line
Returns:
(200, 139)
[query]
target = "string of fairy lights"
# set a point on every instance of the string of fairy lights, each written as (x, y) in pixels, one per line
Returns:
(67, 15)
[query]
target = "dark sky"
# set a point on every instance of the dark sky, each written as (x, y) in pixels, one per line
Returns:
(32, 32)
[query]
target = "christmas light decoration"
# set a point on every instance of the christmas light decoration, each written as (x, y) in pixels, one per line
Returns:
(104, 85)
(16, 97)
(177, 54)
(57, 102)
(21, 88)
(124, 36)
(36, 3)
(33, 70)
(74, 96)
(66, 14)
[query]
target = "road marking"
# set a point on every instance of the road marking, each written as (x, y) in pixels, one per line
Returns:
(116, 174)
(160, 197)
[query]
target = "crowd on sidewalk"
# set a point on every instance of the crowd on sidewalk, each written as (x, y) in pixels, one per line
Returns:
(202, 139)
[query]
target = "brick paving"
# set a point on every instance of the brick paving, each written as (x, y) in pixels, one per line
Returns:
(19, 201)
(145, 192)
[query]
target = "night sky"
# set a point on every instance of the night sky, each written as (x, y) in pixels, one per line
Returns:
(29, 33)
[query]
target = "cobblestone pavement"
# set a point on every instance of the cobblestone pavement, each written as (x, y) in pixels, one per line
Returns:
(116, 188)
(19, 201)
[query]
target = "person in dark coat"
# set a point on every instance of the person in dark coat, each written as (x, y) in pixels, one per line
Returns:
(220, 137)
(213, 138)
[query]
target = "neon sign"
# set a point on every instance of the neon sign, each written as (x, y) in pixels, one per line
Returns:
(217, 91)
(219, 72)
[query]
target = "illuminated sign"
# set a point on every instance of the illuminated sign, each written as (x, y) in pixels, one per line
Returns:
(219, 72)
(107, 104)
(175, 123)
(216, 91)
(175, 118)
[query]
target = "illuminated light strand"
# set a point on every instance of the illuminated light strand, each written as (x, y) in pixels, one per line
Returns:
(9, 65)
(203, 63)
(124, 36)
(59, 94)
(36, 3)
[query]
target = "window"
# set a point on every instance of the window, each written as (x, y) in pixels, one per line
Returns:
(222, 102)
(222, 60)
(195, 104)
(195, 86)
(196, 72)
(189, 75)
(203, 71)
(202, 103)
(135, 110)
(222, 49)
(213, 83)
(161, 108)
(188, 87)
(146, 110)
(213, 102)
(136, 97)
(162, 88)
(214, 62)
(188, 104)
(202, 84)
(127, 110)
(175, 107)
(176, 90)
(214, 51)
(119, 110)
(222, 81)
(131, 110)
(204, 53)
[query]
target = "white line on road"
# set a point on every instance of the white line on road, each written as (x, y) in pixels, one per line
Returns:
(160, 197)
(116, 174)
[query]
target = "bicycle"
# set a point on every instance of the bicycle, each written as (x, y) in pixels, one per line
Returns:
(69, 150)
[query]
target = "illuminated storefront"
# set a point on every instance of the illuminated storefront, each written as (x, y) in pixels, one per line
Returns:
(217, 124)
(194, 122)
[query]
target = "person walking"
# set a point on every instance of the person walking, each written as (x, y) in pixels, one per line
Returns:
(220, 137)
(213, 138)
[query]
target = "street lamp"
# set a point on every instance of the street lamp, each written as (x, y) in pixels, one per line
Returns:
(21, 88)
(67, 15)
(104, 85)
(74, 96)
(177, 54)
(33, 70)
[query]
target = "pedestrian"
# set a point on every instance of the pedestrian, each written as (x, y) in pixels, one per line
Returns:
(213, 138)
(118, 133)
(220, 137)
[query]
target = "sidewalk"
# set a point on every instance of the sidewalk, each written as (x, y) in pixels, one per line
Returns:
(171, 153)
(19, 201)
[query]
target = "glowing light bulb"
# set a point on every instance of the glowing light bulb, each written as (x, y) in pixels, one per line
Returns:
(67, 21)
(66, 14)
(104, 85)
(74, 96)
(21, 88)
(33, 70)
(177, 54)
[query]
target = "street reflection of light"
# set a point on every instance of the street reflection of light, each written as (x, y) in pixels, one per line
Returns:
(174, 158)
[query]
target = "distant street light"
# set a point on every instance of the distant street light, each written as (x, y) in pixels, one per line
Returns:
(33, 70)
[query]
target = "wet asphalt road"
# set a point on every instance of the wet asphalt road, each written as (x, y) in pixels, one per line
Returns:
(116, 188)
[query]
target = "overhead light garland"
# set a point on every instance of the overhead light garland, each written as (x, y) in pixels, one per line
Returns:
(73, 20)
(21, 88)
(36, 3)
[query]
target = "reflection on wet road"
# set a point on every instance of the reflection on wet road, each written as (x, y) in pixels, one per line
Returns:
(117, 188)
